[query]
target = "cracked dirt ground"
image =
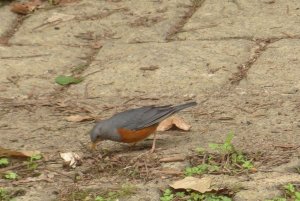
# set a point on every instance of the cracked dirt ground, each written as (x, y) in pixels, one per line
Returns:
(238, 58)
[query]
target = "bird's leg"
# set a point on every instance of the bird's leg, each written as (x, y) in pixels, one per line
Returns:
(153, 143)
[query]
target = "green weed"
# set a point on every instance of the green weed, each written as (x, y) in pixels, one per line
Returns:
(225, 159)
(290, 193)
(4, 195)
(4, 162)
(169, 195)
(11, 175)
(32, 164)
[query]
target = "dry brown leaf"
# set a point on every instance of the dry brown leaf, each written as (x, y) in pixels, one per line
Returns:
(79, 118)
(71, 159)
(25, 7)
(201, 185)
(173, 121)
(14, 153)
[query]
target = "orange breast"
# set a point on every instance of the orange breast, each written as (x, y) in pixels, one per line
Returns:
(130, 136)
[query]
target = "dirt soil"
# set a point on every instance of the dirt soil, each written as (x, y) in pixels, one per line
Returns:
(238, 59)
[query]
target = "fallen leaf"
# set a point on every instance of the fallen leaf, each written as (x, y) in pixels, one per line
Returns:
(201, 185)
(173, 121)
(25, 7)
(67, 80)
(71, 159)
(14, 153)
(78, 118)
(59, 17)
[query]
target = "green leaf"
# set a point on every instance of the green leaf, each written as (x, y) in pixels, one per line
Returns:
(290, 188)
(35, 157)
(200, 150)
(214, 146)
(99, 198)
(180, 194)
(248, 165)
(4, 161)
(297, 195)
(11, 175)
(229, 138)
(66, 80)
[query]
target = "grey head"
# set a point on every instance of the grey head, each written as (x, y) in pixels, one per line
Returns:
(104, 131)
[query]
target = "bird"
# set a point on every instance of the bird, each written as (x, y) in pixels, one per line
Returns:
(134, 125)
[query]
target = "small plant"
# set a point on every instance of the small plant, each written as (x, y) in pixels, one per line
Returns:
(11, 175)
(226, 159)
(225, 148)
(168, 195)
(201, 169)
(100, 198)
(291, 193)
(239, 158)
(4, 194)
(3, 162)
(32, 164)
(277, 199)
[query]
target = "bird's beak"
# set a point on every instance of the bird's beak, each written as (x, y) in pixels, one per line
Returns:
(93, 146)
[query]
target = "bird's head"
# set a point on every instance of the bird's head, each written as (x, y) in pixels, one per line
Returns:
(96, 135)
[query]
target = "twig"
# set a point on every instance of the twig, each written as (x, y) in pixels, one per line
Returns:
(147, 171)
(172, 159)
(86, 93)
(91, 73)
(29, 56)
(149, 68)
(204, 158)
(12, 167)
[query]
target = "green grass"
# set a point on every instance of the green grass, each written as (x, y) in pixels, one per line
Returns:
(291, 193)
(4, 162)
(169, 195)
(11, 175)
(10, 195)
(4, 195)
(32, 162)
(224, 159)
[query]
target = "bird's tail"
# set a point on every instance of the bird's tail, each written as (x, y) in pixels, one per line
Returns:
(183, 106)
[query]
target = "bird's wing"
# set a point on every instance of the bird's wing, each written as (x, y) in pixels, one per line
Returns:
(142, 117)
